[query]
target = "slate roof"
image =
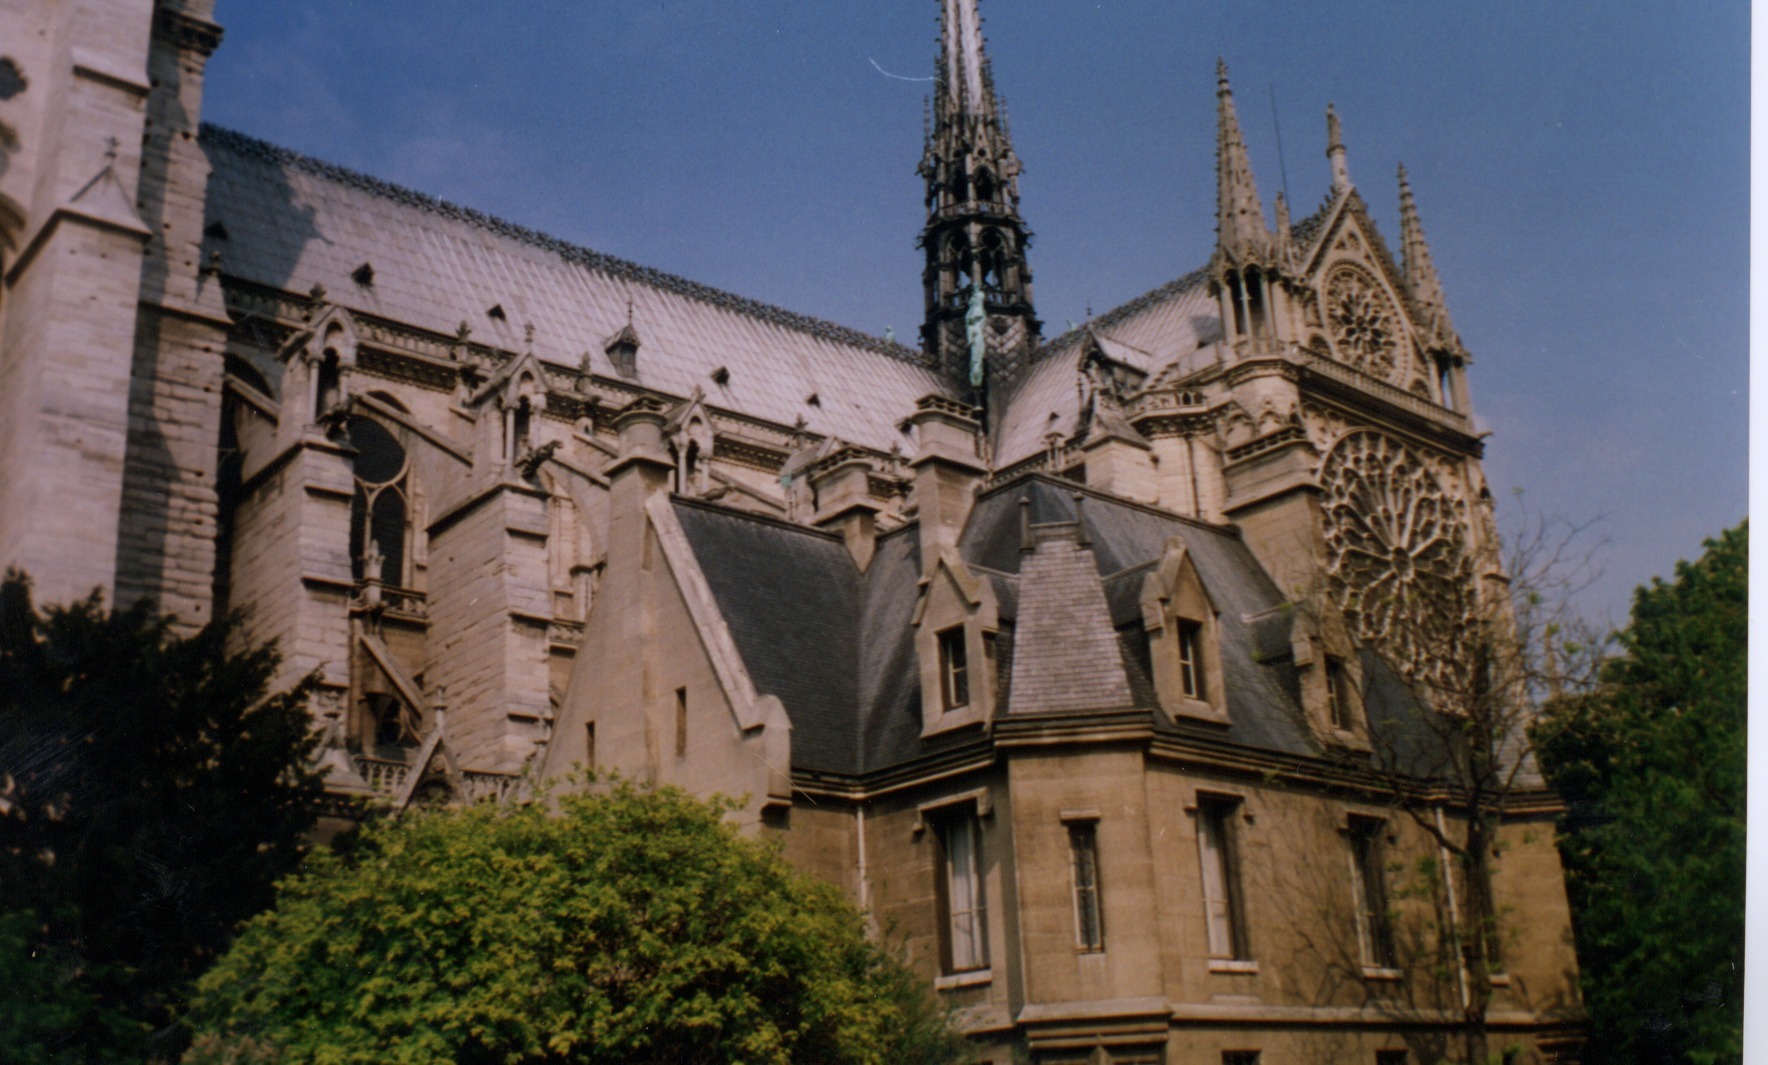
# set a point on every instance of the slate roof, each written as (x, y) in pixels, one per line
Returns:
(792, 598)
(1069, 658)
(292, 221)
(1263, 702)
(837, 646)
(1166, 333)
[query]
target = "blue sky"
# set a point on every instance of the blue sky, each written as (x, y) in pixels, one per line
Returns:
(1582, 170)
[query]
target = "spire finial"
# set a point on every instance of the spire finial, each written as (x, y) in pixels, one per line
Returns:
(1420, 271)
(1341, 174)
(962, 61)
(1240, 215)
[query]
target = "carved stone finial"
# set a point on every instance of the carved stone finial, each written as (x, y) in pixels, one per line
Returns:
(1341, 174)
(1420, 272)
(1240, 214)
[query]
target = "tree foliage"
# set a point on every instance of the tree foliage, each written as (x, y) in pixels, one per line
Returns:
(627, 924)
(151, 794)
(1653, 764)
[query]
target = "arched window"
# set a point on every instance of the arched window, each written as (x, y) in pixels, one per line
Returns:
(1445, 384)
(328, 385)
(379, 506)
(521, 425)
(985, 185)
(958, 255)
(1255, 302)
(690, 468)
(994, 255)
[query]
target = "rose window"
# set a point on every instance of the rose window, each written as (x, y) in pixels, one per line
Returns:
(1396, 554)
(1364, 322)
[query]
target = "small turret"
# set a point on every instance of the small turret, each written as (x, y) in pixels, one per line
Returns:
(1436, 331)
(1421, 275)
(1250, 263)
(1240, 215)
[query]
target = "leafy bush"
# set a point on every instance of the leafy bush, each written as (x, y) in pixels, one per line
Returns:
(627, 924)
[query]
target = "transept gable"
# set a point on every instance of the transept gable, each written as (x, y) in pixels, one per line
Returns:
(1358, 306)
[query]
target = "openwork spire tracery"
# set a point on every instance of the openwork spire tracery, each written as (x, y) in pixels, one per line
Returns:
(977, 281)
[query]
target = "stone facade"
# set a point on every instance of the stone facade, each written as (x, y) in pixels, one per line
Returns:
(1067, 659)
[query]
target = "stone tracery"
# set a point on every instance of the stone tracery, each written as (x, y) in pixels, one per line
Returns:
(1397, 561)
(1364, 322)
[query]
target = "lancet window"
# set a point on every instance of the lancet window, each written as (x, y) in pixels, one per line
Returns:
(380, 505)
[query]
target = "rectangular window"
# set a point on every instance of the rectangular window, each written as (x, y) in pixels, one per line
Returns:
(1369, 881)
(1191, 659)
(1240, 1057)
(1338, 701)
(1089, 916)
(954, 669)
(1221, 890)
(681, 722)
(1391, 1057)
(589, 745)
(964, 916)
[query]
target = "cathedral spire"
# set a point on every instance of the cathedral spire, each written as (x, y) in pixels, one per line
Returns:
(1421, 275)
(980, 325)
(1240, 215)
(1341, 173)
(961, 61)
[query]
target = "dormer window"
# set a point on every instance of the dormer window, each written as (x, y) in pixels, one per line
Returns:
(954, 669)
(1184, 639)
(1191, 670)
(956, 625)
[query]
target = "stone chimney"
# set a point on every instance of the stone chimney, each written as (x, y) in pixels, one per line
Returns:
(948, 470)
(842, 483)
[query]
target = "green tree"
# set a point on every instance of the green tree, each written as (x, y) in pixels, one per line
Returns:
(1653, 765)
(151, 794)
(625, 925)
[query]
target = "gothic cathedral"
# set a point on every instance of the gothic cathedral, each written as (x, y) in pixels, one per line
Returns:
(1086, 665)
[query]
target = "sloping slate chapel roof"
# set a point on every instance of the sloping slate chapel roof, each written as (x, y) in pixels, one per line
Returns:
(837, 646)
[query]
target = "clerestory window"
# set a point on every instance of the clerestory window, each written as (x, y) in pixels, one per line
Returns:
(379, 504)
